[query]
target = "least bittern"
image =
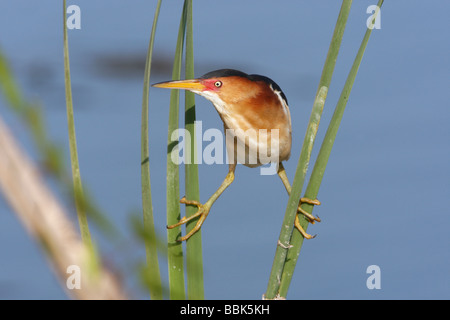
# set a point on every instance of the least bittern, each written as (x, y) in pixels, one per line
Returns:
(256, 111)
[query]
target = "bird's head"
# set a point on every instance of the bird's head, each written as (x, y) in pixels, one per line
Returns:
(228, 87)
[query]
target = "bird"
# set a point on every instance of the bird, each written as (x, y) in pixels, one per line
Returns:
(255, 110)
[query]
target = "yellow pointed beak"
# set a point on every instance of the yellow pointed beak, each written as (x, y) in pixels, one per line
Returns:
(192, 85)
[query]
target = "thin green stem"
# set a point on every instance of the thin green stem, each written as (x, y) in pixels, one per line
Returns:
(278, 266)
(321, 163)
(175, 250)
(50, 152)
(194, 260)
(147, 207)
(78, 188)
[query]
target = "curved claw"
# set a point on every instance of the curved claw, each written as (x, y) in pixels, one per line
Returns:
(312, 219)
(202, 212)
(314, 202)
(190, 202)
(302, 231)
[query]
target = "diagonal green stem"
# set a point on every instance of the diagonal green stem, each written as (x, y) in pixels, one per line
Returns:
(321, 162)
(291, 210)
(278, 266)
(175, 250)
(147, 208)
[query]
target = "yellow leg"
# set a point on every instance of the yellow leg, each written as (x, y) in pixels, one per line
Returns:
(302, 231)
(203, 209)
(312, 219)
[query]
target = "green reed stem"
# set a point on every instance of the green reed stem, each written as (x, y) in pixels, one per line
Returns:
(291, 210)
(175, 250)
(50, 152)
(194, 260)
(321, 163)
(280, 262)
(147, 207)
(77, 184)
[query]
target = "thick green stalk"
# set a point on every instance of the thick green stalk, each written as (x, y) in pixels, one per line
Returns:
(194, 263)
(291, 210)
(77, 185)
(321, 163)
(147, 208)
(175, 250)
(286, 231)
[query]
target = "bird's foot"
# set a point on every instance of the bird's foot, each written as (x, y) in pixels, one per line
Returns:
(202, 212)
(312, 219)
